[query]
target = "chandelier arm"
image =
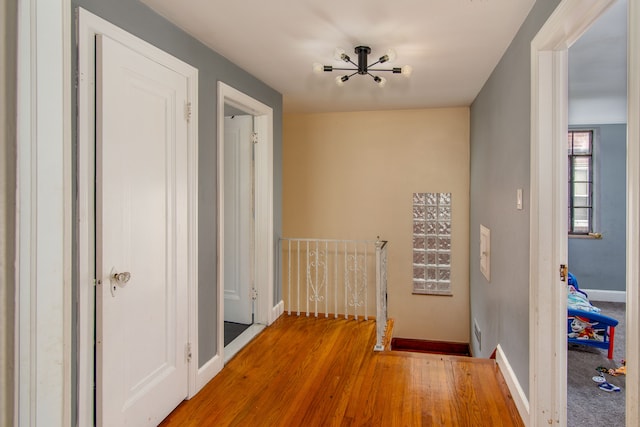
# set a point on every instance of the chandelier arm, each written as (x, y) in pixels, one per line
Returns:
(343, 69)
(379, 69)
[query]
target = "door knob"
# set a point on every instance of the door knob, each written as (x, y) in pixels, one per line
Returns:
(122, 278)
(118, 279)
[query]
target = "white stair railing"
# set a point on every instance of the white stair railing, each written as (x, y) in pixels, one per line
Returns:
(332, 277)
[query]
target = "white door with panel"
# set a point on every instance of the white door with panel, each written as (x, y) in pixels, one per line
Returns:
(238, 219)
(142, 353)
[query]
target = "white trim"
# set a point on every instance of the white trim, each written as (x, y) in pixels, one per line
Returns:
(277, 311)
(547, 301)
(548, 249)
(605, 295)
(209, 370)
(67, 22)
(518, 394)
(242, 340)
(43, 214)
(264, 236)
(632, 388)
(193, 233)
(89, 26)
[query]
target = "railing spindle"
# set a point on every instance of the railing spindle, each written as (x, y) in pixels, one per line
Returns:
(366, 284)
(326, 277)
(346, 281)
(308, 277)
(355, 274)
(335, 281)
(298, 272)
(289, 274)
(317, 286)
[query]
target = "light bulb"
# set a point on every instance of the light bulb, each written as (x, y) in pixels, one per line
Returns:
(341, 79)
(318, 68)
(340, 55)
(407, 70)
(380, 80)
(391, 55)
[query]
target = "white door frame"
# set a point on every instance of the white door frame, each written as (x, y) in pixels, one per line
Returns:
(264, 237)
(89, 26)
(632, 387)
(43, 307)
(548, 241)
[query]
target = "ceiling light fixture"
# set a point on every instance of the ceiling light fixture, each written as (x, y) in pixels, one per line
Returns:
(361, 67)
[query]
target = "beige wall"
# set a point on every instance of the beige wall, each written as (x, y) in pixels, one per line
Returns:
(352, 175)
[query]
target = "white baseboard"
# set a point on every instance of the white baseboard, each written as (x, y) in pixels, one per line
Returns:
(519, 397)
(241, 341)
(607, 296)
(208, 371)
(277, 311)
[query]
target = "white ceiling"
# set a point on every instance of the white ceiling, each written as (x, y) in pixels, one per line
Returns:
(452, 45)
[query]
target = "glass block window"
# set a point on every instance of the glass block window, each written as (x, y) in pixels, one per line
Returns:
(432, 243)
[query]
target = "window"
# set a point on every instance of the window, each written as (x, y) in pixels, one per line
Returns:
(580, 150)
(432, 243)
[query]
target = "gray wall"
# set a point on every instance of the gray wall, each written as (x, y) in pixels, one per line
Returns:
(601, 264)
(8, 42)
(500, 141)
(141, 21)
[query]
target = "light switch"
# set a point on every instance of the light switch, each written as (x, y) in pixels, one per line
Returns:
(485, 252)
(519, 199)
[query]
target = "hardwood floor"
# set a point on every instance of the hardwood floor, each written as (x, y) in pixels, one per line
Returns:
(323, 372)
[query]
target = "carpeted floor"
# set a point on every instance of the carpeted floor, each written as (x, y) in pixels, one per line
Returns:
(232, 331)
(587, 405)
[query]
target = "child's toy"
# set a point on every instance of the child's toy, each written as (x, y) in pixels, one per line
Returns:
(582, 329)
(608, 387)
(622, 370)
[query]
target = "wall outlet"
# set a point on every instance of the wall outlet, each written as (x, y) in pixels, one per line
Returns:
(477, 333)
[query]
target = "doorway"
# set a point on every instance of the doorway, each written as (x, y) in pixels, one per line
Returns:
(251, 243)
(597, 116)
(548, 230)
(239, 230)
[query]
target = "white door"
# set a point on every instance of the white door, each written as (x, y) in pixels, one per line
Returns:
(238, 218)
(141, 230)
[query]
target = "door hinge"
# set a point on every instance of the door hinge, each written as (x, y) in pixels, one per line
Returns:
(187, 352)
(254, 294)
(563, 272)
(254, 137)
(187, 112)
